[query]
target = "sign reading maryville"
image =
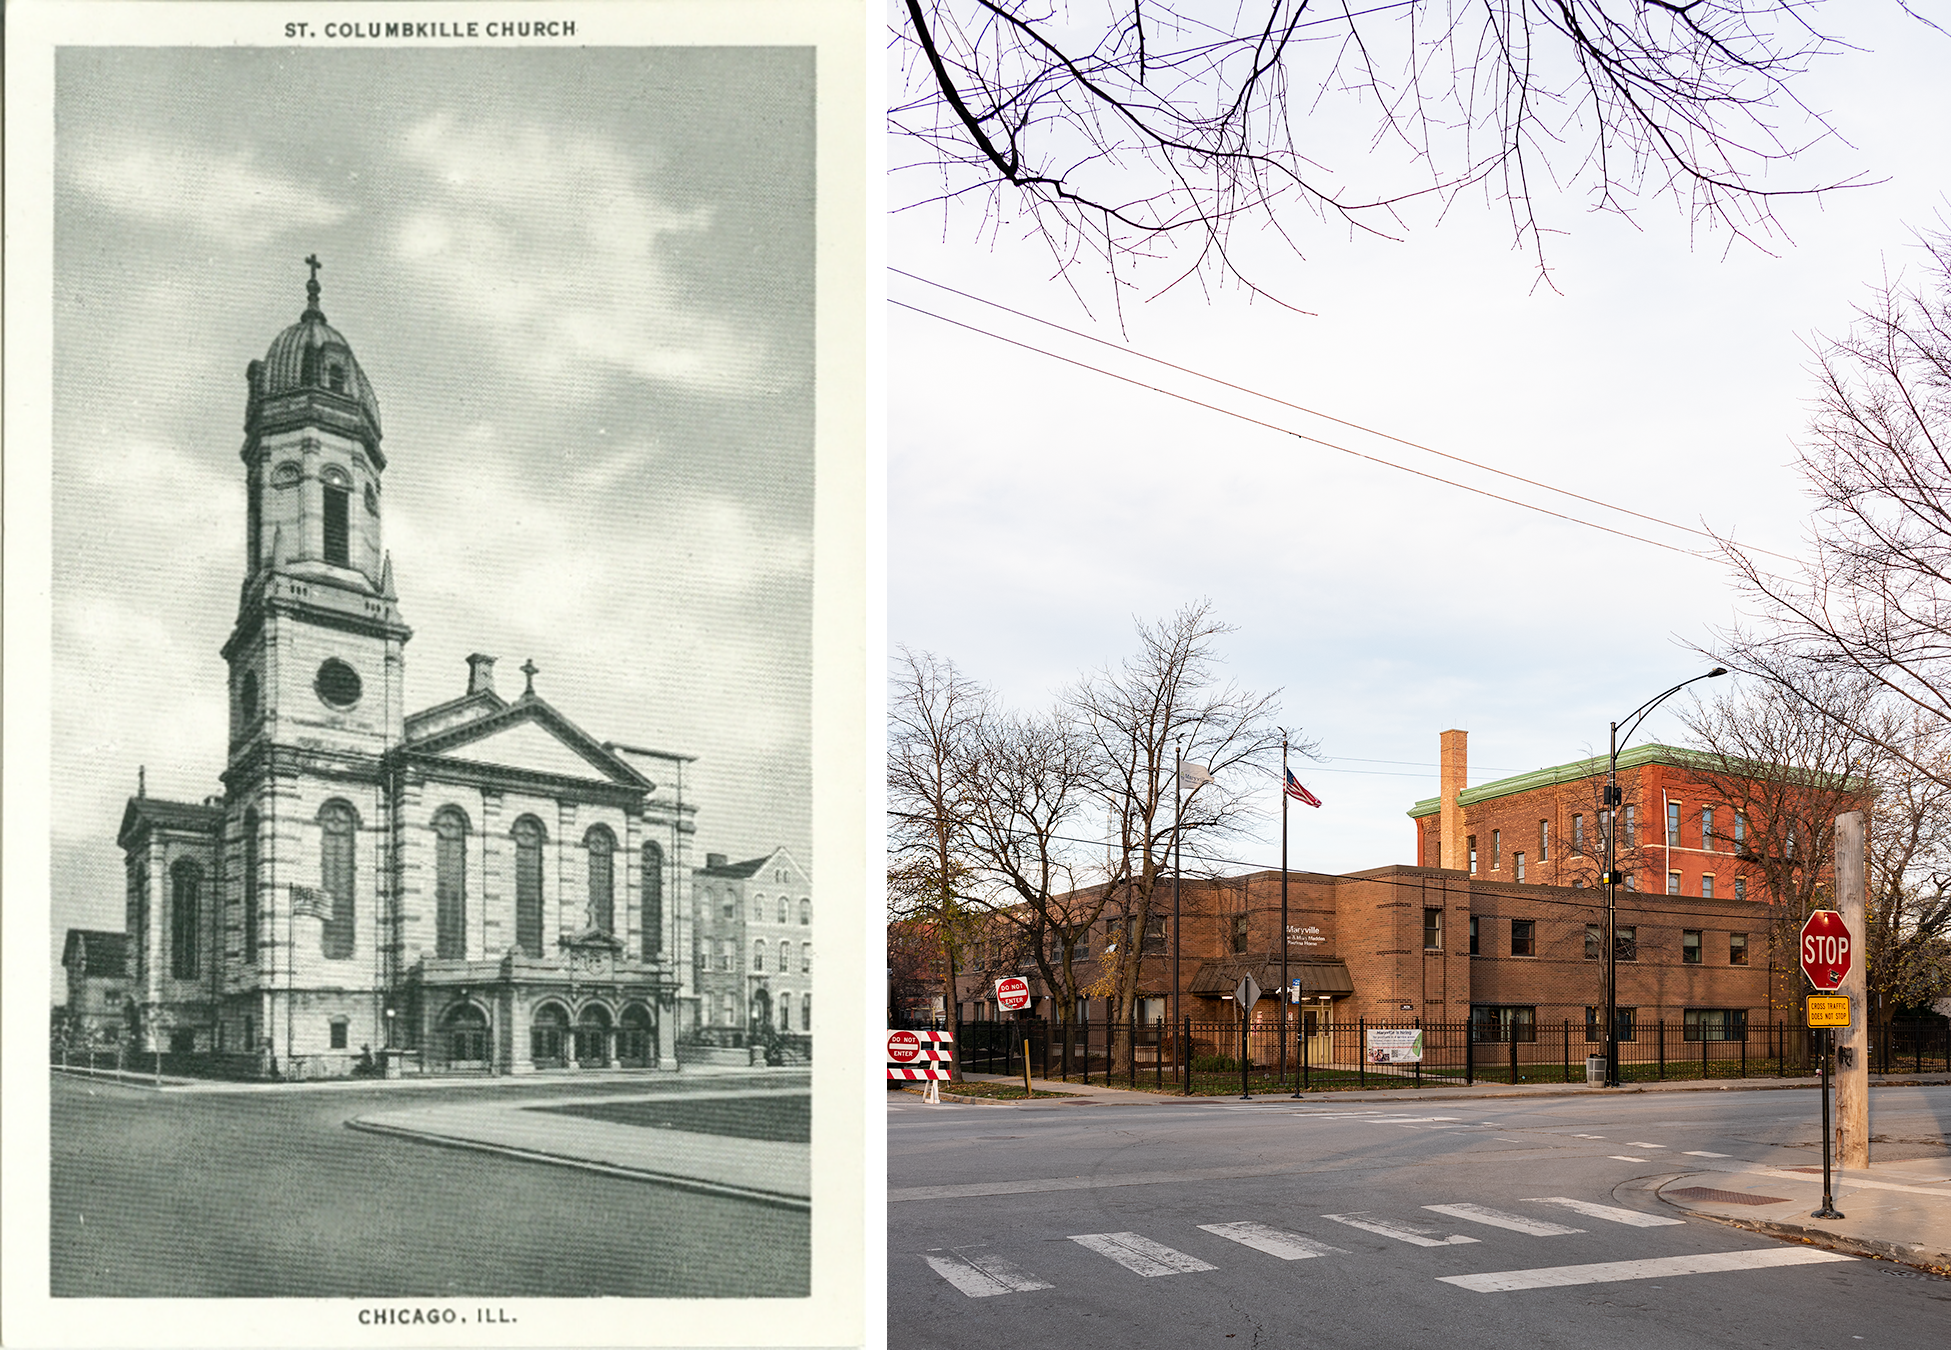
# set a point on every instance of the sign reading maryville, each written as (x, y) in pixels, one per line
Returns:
(1828, 1010)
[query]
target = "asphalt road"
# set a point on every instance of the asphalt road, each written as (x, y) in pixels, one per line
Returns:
(261, 1194)
(1289, 1224)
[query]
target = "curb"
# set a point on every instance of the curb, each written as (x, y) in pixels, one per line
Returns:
(1507, 1094)
(1905, 1254)
(801, 1203)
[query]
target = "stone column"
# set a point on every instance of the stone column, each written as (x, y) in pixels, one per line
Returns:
(519, 1059)
(1853, 1042)
(667, 1034)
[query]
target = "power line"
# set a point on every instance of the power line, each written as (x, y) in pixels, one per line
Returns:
(1316, 440)
(1315, 412)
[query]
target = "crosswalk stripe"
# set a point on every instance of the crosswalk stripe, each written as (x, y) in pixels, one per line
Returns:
(1141, 1255)
(1620, 1157)
(983, 1275)
(1272, 1241)
(1497, 1218)
(1400, 1230)
(1641, 1143)
(1660, 1267)
(1611, 1212)
(1698, 1153)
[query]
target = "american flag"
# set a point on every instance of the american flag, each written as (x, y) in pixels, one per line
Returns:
(1299, 793)
(311, 902)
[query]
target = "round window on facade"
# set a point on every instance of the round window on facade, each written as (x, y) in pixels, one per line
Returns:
(286, 475)
(338, 683)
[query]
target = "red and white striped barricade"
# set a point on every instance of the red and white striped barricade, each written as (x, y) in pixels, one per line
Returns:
(921, 1056)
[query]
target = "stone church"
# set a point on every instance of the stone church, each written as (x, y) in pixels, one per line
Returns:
(477, 885)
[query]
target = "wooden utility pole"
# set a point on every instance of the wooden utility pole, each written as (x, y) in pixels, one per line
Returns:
(1852, 1060)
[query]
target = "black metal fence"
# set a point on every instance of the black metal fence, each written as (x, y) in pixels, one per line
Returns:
(1214, 1058)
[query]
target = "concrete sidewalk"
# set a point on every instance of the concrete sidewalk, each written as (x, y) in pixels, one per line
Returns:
(1900, 1211)
(774, 1172)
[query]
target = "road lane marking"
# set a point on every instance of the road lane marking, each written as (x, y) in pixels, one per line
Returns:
(1660, 1267)
(1610, 1212)
(1399, 1229)
(982, 1275)
(1497, 1218)
(1620, 1157)
(1141, 1255)
(1641, 1143)
(1588, 1136)
(1697, 1153)
(1272, 1241)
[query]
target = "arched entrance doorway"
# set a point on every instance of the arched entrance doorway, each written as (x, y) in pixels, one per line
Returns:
(466, 1031)
(593, 1037)
(636, 1038)
(548, 1037)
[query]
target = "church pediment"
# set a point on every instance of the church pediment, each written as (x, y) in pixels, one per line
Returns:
(529, 737)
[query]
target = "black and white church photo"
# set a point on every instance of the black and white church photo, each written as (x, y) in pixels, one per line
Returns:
(435, 896)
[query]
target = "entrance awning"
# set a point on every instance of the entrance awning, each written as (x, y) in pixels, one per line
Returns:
(1317, 974)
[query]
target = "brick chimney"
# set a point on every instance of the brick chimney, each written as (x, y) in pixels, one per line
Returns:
(480, 674)
(1454, 762)
(714, 860)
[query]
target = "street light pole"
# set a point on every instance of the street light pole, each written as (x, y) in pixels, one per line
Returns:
(1611, 809)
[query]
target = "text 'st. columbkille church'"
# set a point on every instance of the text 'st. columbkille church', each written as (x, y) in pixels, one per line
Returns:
(480, 882)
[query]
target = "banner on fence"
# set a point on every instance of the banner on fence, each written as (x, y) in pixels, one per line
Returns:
(1393, 1045)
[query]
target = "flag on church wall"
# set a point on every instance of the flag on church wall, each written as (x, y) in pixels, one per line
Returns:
(311, 902)
(1299, 793)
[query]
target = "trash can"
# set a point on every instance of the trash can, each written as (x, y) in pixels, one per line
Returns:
(1595, 1070)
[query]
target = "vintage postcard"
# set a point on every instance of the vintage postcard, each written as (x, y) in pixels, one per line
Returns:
(437, 630)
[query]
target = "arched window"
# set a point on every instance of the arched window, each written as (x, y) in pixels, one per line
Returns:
(724, 957)
(338, 828)
(783, 911)
(758, 957)
(600, 846)
(806, 958)
(785, 957)
(139, 918)
(529, 835)
(338, 503)
(806, 911)
(467, 1035)
(548, 1034)
(250, 889)
(758, 909)
(805, 1012)
(785, 1013)
(450, 884)
(653, 890)
(730, 1009)
(185, 900)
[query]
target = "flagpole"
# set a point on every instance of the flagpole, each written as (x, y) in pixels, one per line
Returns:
(1284, 986)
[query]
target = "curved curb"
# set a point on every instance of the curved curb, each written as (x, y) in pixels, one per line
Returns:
(675, 1180)
(1913, 1255)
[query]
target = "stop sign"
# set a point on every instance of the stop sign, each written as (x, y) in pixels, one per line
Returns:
(1012, 993)
(903, 1047)
(1826, 949)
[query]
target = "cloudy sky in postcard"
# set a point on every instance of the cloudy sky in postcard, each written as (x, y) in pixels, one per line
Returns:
(581, 284)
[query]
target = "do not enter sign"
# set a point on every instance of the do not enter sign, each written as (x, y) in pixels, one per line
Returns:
(903, 1047)
(1826, 949)
(1012, 993)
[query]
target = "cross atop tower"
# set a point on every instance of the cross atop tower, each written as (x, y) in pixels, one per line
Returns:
(530, 669)
(311, 287)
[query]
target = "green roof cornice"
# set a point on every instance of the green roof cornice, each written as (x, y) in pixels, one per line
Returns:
(1650, 753)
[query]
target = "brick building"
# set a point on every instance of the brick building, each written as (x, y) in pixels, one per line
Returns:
(97, 963)
(753, 952)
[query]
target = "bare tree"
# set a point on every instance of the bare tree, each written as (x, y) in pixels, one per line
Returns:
(1138, 721)
(1908, 906)
(1126, 127)
(933, 714)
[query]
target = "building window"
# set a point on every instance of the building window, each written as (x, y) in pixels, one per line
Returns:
(1524, 937)
(1707, 828)
(724, 958)
(1432, 930)
(1737, 949)
(784, 912)
(1472, 842)
(653, 891)
(338, 1031)
(805, 912)
(1673, 883)
(1578, 832)
(806, 958)
(529, 835)
(338, 503)
(785, 957)
(1707, 886)
(730, 909)
(785, 1012)
(1632, 827)
(1595, 941)
(1632, 881)
(1673, 824)
(1473, 935)
(1740, 888)
(1496, 849)
(805, 1012)
(1488, 1023)
(1239, 932)
(338, 828)
(1517, 863)
(1625, 944)
(1544, 841)
(450, 884)
(185, 904)
(1716, 1024)
(599, 848)
(250, 889)
(1627, 1023)
(1690, 947)
(1740, 832)
(758, 956)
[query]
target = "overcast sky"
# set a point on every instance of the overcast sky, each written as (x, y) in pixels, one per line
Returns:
(580, 283)
(1036, 509)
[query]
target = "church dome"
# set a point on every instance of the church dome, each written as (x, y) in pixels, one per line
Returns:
(310, 370)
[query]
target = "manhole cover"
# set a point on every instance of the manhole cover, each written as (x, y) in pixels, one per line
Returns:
(1712, 1196)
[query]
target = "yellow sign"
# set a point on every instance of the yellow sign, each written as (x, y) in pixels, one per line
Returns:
(1827, 1010)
